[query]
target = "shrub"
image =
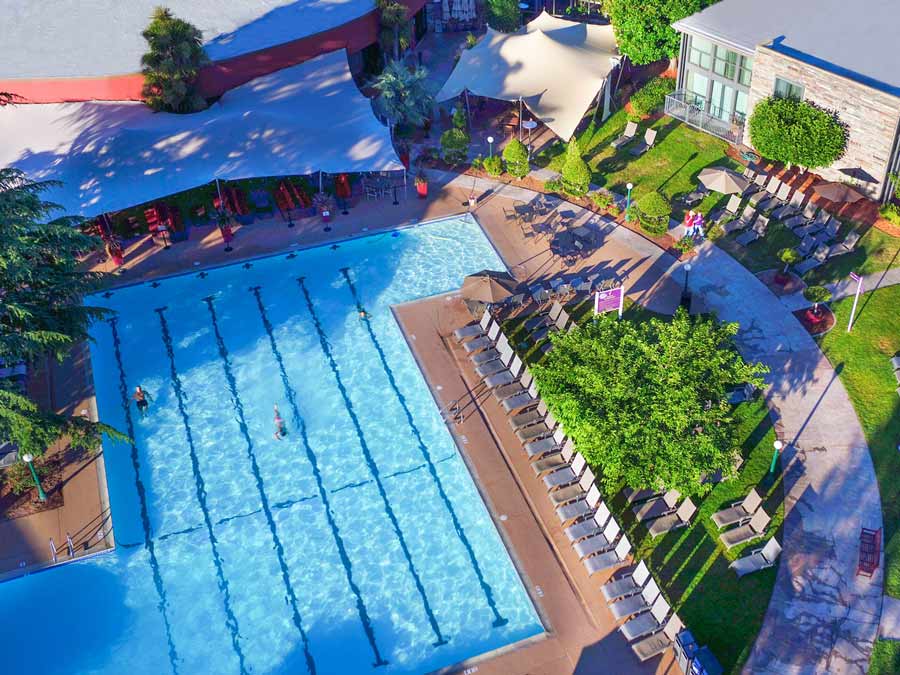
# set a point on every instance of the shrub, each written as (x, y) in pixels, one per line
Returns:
(173, 60)
(503, 15)
(516, 155)
(471, 40)
(600, 199)
(789, 256)
(576, 176)
(817, 295)
(454, 145)
(650, 97)
(653, 211)
(459, 118)
(685, 244)
(797, 132)
(553, 185)
(891, 213)
(493, 165)
(478, 162)
(18, 479)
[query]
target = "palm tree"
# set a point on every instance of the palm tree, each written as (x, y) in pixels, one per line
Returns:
(172, 63)
(403, 95)
(394, 18)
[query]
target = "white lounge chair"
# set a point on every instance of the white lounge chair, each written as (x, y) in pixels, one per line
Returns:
(516, 387)
(756, 232)
(490, 354)
(475, 329)
(543, 446)
(846, 246)
(645, 144)
(759, 559)
(739, 512)
(817, 259)
(484, 342)
(627, 584)
(600, 542)
(605, 561)
(495, 366)
(507, 376)
(658, 642)
(633, 496)
(637, 603)
(591, 526)
(555, 461)
(741, 223)
(627, 135)
(681, 518)
(657, 508)
(752, 530)
(534, 415)
(522, 400)
(731, 209)
(794, 206)
(566, 475)
(648, 622)
(575, 492)
(580, 508)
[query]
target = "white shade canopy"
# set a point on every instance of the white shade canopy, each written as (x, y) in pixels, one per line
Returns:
(110, 156)
(556, 67)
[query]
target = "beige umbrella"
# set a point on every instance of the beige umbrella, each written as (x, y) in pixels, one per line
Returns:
(720, 179)
(838, 192)
(489, 287)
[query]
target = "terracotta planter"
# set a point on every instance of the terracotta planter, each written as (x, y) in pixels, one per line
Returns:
(422, 190)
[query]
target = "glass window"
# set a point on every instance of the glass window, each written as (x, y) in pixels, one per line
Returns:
(725, 63)
(700, 53)
(697, 86)
(788, 89)
(721, 102)
(745, 70)
(740, 105)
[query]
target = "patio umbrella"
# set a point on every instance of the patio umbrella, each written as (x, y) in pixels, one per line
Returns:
(488, 286)
(838, 192)
(720, 179)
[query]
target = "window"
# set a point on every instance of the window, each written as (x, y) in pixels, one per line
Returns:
(701, 53)
(697, 86)
(788, 89)
(740, 105)
(725, 63)
(745, 70)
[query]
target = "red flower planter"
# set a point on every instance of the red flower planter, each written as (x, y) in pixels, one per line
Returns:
(422, 190)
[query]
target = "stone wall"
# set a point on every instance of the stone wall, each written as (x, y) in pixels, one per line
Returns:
(872, 116)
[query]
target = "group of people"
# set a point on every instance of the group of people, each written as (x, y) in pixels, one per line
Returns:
(693, 225)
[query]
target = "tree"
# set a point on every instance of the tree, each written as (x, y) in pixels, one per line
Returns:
(576, 176)
(643, 28)
(653, 211)
(503, 15)
(789, 256)
(817, 295)
(516, 156)
(172, 63)
(797, 132)
(403, 95)
(394, 18)
(647, 403)
(454, 146)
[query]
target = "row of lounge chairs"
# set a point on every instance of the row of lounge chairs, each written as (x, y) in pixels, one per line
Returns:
(629, 134)
(659, 510)
(751, 520)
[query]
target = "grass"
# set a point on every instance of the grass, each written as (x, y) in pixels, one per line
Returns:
(885, 658)
(875, 252)
(762, 254)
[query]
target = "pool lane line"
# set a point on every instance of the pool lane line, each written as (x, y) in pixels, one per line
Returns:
(260, 486)
(230, 618)
(300, 424)
(486, 589)
(142, 496)
(370, 461)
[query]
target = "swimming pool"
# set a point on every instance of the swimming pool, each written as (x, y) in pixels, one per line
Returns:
(358, 543)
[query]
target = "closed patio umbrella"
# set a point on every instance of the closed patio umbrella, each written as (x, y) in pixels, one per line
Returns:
(838, 192)
(489, 286)
(721, 179)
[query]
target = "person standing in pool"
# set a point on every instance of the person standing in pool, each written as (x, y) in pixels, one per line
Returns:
(279, 424)
(143, 400)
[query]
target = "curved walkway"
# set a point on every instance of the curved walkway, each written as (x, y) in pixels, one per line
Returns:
(822, 617)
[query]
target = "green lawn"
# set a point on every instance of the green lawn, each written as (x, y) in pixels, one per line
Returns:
(885, 658)
(762, 254)
(875, 252)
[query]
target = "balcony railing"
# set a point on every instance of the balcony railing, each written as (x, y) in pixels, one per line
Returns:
(682, 106)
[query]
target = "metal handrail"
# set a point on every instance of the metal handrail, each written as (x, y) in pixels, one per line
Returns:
(681, 107)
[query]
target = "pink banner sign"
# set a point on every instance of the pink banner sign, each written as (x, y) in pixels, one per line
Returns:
(611, 300)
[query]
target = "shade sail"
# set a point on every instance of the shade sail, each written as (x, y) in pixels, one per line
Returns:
(110, 156)
(555, 66)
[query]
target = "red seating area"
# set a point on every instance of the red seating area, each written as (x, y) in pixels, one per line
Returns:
(235, 201)
(869, 552)
(288, 196)
(162, 215)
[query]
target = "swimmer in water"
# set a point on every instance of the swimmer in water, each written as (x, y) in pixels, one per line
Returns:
(279, 424)
(143, 400)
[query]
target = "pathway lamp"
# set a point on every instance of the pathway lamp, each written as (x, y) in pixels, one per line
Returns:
(630, 186)
(29, 460)
(778, 445)
(685, 292)
(490, 140)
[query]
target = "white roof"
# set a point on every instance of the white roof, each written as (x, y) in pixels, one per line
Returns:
(110, 156)
(97, 38)
(555, 66)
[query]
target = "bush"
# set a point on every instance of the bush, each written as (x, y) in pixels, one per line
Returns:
(797, 132)
(516, 155)
(789, 256)
(503, 15)
(817, 294)
(454, 146)
(493, 165)
(653, 211)
(685, 244)
(891, 213)
(478, 162)
(553, 185)
(459, 118)
(576, 176)
(650, 97)
(471, 40)
(17, 477)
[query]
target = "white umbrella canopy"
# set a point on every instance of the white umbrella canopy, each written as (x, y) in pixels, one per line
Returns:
(722, 179)
(838, 192)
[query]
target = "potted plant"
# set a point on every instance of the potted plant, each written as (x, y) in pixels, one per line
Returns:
(788, 256)
(422, 184)
(324, 204)
(816, 295)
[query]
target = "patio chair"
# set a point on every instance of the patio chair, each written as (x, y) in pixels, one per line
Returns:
(739, 511)
(498, 364)
(741, 223)
(741, 393)
(815, 260)
(845, 246)
(768, 190)
(658, 642)
(507, 376)
(522, 400)
(573, 493)
(758, 231)
(810, 229)
(591, 526)
(830, 232)
(807, 246)
(538, 431)
(657, 508)
(781, 197)
(759, 559)
(542, 446)
(627, 584)
(626, 137)
(681, 518)
(731, 209)
(579, 508)
(544, 318)
(759, 182)
(633, 496)
(696, 196)
(749, 173)
(555, 461)
(567, 474)
(792, 207)
(752, 530)
(637, 603)
(515, 301)
(600, 542)
(648, 622)
(645, 144)
(561, 322)
(520, 386)
(539, 293)
(474, 330)
(484, 342)
(492, 353)
(605, 561)
(529, 417)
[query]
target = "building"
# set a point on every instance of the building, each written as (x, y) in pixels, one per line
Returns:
(839, 55)
(58, 50)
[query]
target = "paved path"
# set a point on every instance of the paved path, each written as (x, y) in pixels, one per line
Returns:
(847, 287)
(822, 617)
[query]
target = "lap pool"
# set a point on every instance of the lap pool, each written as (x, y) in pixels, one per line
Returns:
(356, 544)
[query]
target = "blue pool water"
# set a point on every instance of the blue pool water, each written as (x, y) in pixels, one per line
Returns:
(357, 544)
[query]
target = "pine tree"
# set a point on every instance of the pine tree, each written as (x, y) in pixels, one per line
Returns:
(576, 176)
(172, 63)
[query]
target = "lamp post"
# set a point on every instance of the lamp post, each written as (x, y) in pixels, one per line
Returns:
(685, 292)
(28, 459)
(490, 140)
(630, 186)
(529, 124)
(778, 445)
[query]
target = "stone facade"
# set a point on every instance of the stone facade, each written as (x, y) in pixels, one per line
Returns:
(872, 116)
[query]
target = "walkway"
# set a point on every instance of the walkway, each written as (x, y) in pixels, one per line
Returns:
(847, 287)
(822, 617)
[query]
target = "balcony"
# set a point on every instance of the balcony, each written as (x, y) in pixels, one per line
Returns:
(682, 106)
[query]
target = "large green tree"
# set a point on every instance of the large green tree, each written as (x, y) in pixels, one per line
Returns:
(797, 132)
(643, 28)
(646, 402)
(394, 19)
(173, 60)
(403, 96)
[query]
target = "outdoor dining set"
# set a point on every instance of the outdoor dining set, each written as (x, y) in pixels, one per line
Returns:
(567, 239)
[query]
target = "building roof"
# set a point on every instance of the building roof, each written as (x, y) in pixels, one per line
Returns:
(856, 39)
(109, 156)
(101, 38)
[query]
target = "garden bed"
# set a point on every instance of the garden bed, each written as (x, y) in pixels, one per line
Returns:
(781, 284)
(816, 324)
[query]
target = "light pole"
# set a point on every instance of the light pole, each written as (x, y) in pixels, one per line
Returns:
(778, 445)
(630, 186)
(529, 124)
(490, 140)
(685, 293)
(28, 459)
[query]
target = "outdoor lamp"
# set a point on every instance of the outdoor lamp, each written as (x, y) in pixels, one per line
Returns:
(28, 459)
(490, 140)
(628, 203)
(778, 445)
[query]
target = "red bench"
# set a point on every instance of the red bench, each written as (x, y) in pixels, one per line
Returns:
(869, 552)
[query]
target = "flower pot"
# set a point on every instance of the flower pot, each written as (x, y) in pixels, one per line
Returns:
(326, 216)
(422, 190)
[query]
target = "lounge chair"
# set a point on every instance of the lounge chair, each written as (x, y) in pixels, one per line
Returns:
(657, 508)
(658, 642)
(756, 232)
(579, 508)
(768, 192)
(591, 526)
(648, 622)
(544, 318)
(815, 260)
(808, 215)
(560, 324)
(781, 197)
(759, 182)
(475, 329)
(731, 209)
(507, 376)
(739, 512)
(794, 205)
(539, 293)
(740, 223)
(895, 363)
(536, 431)
(605, 561)
(759, 559)
(573, 493)
(499, 351)
(807, 246)
(522, 400)
(845, 246)
(520, 386)
(599, 543)
(681, 518)
(829, 232)
(633, 496)
(498, 364)
(637, 603)
(741, 393)
(645, 144)
(555, 461)
(485, 341)
(627, 584)
(543, 446)
(629, 133)
(529, 417)
(752, 530)
(696, 196)
(566, 475)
